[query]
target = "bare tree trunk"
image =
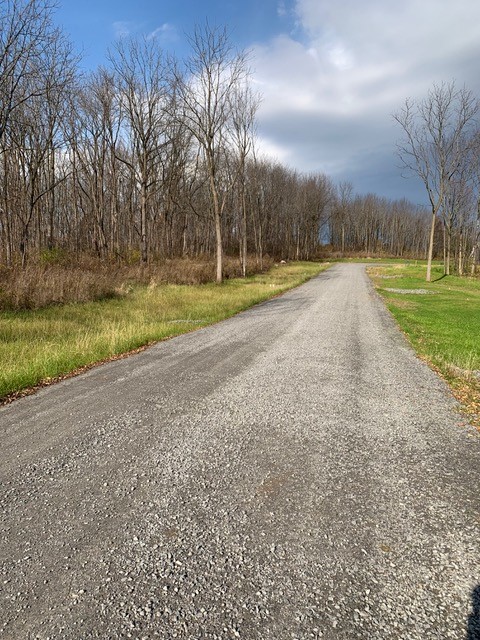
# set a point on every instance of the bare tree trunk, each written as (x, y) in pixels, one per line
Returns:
(6, 213)
(447, 239)
(449, 251)
(474, 257)
(51, 203)
(219, 249)
(217, 217)
(444, 248)
(244, 233)
(143, 224)
(460, 255)
(430, 247)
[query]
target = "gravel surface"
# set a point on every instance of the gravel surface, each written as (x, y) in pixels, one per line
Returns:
(293, 472)
(420, 292)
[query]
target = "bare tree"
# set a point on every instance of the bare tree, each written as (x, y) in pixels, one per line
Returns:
(162, 158)
(96, 135)
(37, 70)
(436, 130)
(473, 164)
(244, 106)
(35, 136)
(340, 213)
(214, 72)
(143, 83)
(25, 34)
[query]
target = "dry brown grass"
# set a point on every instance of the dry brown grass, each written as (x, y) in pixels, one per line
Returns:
(87, 279)
(39, 286)
(190, 270)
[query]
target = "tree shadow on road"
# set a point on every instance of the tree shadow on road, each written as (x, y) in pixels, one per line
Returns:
(473, 625)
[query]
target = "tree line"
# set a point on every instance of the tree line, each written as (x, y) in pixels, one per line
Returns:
(441, 146)
(150, 157)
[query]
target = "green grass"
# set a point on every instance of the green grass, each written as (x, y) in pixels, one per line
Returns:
(38, 346)
(443, 326)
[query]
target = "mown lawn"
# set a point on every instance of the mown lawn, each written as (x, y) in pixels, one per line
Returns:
(443, 324)
(37, 347)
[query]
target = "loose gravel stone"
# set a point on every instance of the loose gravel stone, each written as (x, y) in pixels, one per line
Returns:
(419, 292)
(294, 472)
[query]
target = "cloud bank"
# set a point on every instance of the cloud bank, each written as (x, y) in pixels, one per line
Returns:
(331, 83)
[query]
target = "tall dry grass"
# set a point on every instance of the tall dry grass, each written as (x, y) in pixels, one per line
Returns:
(87, 279)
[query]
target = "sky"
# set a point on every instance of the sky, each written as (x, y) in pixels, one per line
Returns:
(330, 72)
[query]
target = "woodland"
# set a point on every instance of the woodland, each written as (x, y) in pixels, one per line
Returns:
(150, 158)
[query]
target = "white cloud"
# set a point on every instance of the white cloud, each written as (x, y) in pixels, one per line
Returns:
(165, 33)
(273, 149)
(350, 65)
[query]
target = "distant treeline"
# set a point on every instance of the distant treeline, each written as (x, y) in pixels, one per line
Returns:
(151, 158)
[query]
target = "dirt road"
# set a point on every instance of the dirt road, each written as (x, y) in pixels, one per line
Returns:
(294, 472)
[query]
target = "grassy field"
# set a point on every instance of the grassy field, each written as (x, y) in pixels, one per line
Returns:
(443, 323)
(37, 347)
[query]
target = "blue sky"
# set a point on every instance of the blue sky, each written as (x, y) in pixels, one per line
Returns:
(331, 72)
(94, 24)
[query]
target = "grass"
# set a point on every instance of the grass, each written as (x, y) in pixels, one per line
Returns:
(41, 346)
(442, 325)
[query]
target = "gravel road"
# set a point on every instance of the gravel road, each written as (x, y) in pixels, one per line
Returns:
(291, 473)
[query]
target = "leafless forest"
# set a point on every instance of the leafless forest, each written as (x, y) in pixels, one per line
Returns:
(151, 158)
